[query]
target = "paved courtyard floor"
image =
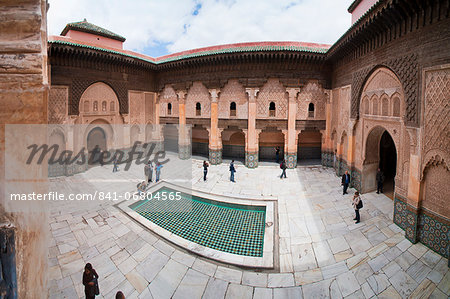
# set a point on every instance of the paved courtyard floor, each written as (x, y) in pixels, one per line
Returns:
(320, 252)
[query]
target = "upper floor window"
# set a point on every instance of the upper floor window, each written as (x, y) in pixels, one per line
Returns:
(272, 109)
(86, 106)
(169, 109)
(111, 106)
(104, 106)
(233, 109)
(95, 106)
(198, 109)
(311, 110)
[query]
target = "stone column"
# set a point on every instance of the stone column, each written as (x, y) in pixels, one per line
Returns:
(215, 145)
(251, 144)
(327, 144)
(291, 138)
(184, 141)
(354, 172)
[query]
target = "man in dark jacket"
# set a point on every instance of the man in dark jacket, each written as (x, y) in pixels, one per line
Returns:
(283, 167)
(232, 171)
(345, 181)
(380, 180)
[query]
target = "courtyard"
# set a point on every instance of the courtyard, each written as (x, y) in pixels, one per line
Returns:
(319, 251)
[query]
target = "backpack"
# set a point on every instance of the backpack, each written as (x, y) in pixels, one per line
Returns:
(360, 204)
(281, 166)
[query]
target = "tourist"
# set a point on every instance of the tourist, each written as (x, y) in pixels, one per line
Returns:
(277, 154)
(90, 282)
(141, 187)
(283, 167)
(120, 295)
(357, 204)
(232, 171)
(345, 181)
(158, 167)
(380, 180)
(150, 171)
(115, 165)
(205, 170)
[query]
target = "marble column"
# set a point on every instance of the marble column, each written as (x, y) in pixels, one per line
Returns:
(215, 145)
(251, 144)
(184, 140)
(291, 136)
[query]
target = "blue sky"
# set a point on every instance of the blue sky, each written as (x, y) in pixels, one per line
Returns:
(156, 28)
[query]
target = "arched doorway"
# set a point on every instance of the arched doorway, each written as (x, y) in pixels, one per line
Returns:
(57, 169)
(200, 141)
(309, 146)
(380, 152)
(233, 142)
(170, 134)
(269, 140)
(388, 163)
(96, 145)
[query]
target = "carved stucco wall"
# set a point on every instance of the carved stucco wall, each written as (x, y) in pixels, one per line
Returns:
(272, 91)
(436, 140)
(311, 93)
(137, 107)
(198, 93)
(168, 95)
(233, 91)
(58, 104)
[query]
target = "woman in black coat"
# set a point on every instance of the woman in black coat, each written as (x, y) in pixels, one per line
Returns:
(90, 277)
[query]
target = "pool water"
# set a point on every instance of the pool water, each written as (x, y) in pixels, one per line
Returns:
(232, 228)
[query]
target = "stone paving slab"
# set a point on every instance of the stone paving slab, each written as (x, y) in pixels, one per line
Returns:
(321, 252)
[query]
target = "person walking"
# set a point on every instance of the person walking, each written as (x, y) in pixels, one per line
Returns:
(158, 167)
(205, 170)
(90, 282)
(277, 154)
(357, 204)
(345, 181)
(380, 180)
(232, 171)
(115, 165)
(283, 167)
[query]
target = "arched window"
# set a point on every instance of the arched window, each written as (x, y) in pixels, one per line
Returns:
(375, 106)
(385, 107)
(311, 110)
(272, 109)
(396, 107)
(198, 109)
(169, 109)
(95, 106)
(111, 106)
(233, 109)
(86, 106)
(104, 106)
(366, 106)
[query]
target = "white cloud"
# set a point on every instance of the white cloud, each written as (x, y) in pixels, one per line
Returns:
(148, 23)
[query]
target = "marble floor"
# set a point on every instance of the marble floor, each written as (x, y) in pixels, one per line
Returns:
(320, 252)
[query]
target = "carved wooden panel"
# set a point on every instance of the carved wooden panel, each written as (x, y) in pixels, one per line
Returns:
(57, 104)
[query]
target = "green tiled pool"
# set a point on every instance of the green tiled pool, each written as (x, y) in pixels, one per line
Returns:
(232, 228)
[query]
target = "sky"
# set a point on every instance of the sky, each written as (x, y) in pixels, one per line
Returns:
(160, 27)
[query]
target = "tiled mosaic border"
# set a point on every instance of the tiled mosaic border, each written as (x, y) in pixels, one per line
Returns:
(251, 159)
(291, 160)
(215, 156)
(327, 159)
(422, 226)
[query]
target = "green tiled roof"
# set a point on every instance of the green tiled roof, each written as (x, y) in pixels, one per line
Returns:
(172, 58)
(87, 27)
